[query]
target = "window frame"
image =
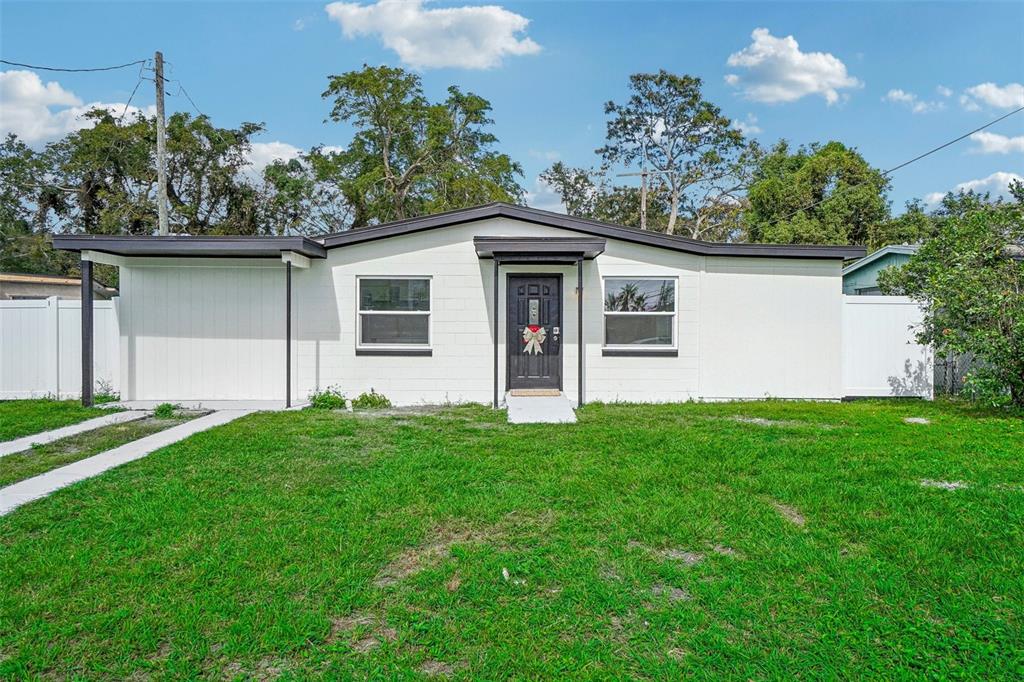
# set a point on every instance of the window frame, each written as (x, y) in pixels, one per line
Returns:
(429, 313)
(639, 349)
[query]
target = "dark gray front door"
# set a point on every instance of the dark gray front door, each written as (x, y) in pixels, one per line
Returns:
(534, 326)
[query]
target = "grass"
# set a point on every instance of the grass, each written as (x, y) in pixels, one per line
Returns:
(26, 417)
(42, 458)
(645, 541)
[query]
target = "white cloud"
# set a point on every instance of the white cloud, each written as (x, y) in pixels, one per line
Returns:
(1008, 96)
(544, 155)
(909, 99)
(544, 197)
(30, 109)
(998, 184)
(262, 154)
(298, 24)
(747, 126)
(943, 91)
(777, 71)
(475, 37)
(994, 143)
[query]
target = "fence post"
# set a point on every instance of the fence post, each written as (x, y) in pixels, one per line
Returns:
(51, 345)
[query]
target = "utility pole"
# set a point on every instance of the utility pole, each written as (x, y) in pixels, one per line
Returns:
(643, 195)
(161, 145)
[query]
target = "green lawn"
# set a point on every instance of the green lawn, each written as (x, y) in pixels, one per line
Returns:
(42, 458)
(25, 417)
(646, 541)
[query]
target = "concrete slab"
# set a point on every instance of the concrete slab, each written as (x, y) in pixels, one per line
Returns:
(13, 496)
(21, 444)
(539, 410)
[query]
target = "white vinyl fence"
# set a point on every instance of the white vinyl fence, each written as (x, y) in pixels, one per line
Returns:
(41, 348)
(881, 357)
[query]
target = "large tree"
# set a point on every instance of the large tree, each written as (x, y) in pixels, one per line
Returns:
(912, 226)
(591, 194)
(969, 280)
(697, 159)
(409, 156)
(820, 194)
(306, 194)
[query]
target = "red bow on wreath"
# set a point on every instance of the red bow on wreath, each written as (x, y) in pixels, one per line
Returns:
(533, 337)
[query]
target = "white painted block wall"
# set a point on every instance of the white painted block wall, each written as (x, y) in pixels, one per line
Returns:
(203, 329)
(208, 329)
(771, 328)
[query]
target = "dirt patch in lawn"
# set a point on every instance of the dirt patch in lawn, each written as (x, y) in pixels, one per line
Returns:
(436, 549)
(372, 629)
(789, 513)
(266, 668)
(673, 594)
(761, 421)
(432, 668)
(671, 553)
(943, 485)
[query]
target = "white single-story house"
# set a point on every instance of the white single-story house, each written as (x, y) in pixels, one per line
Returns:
(467, 305)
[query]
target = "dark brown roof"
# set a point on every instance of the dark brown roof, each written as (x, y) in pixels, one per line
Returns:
(263, 247)
(584, 226)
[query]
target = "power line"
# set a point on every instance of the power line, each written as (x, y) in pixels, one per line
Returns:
(53, 68)
(951, 142)
(898, 167)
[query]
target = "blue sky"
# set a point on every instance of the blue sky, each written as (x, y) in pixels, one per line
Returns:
(892, 79)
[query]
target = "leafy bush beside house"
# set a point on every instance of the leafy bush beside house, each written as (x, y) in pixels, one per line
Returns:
(969, 280)
(330, 398)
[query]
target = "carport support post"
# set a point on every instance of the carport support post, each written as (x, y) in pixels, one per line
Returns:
(497, 262)
(579, 330)
(87, 333)
(288, 336)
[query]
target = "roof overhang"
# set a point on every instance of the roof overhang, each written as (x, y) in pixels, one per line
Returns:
(588, 227)
(190, 247)
(539, 249)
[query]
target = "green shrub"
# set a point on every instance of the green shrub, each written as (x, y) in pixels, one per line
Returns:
(165, 411)
(986, 388)
(105, 393)
(371, 401)
(330, 398)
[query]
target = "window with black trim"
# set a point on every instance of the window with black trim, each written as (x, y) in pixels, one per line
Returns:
(394, 312)
(639, 312)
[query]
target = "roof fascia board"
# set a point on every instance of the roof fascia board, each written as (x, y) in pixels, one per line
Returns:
(103, 258)
(185, 247)
(296, 259)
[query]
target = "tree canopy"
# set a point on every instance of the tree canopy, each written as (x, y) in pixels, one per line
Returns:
(410, 157)
(819, 194)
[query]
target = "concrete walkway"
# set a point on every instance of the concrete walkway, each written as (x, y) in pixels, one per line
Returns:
(13, 496)
(18, 445)
(539, 410)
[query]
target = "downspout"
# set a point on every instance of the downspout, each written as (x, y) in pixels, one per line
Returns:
(497, 263)
(579, 328)
(288, 336)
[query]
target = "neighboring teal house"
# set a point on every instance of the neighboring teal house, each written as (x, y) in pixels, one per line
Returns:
(861, 278)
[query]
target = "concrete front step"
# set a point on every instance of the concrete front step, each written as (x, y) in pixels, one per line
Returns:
(539, 409)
